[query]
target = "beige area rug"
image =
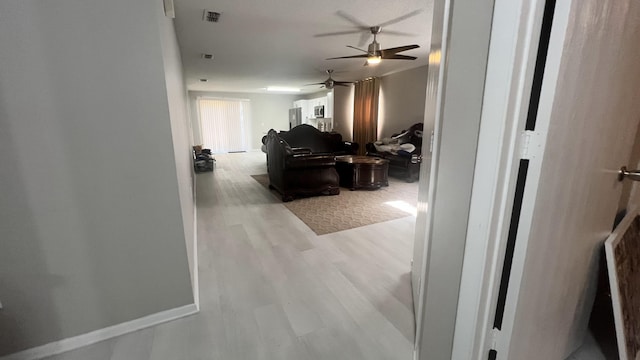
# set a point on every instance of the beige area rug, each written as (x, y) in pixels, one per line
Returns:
(351, 209)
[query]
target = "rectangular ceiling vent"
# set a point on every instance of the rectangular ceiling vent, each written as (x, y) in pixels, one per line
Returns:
(207, 56)
(211, 16)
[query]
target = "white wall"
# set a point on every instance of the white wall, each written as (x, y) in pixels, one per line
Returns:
(90, 217)
(402, 99)
(315, 95)
(182, 134)
(268, 111)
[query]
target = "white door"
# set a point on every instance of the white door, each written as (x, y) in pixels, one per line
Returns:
(587, 120)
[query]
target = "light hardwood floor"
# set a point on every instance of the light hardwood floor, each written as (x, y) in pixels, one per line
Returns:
(272, 289)
(588, 351)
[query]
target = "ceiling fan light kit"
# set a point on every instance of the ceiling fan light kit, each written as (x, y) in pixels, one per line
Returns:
(374, 60)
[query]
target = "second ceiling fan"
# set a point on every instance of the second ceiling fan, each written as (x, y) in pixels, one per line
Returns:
(330, 83)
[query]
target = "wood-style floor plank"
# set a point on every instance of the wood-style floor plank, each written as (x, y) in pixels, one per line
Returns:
(138, 346)
(270, 288)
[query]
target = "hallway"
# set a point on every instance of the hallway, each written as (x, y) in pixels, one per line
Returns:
(270, 288)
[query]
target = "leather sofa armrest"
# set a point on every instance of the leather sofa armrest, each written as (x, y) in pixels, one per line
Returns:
(308, 161)
(351, 147)
(300, 150)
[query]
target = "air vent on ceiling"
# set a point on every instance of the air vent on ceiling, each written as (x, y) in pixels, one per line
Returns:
(211, 16)
(203, 80)
(207, 56)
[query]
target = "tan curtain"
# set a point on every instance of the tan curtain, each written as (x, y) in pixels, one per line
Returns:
(365, 112)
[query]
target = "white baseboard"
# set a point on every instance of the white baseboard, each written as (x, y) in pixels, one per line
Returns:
(196, 279)
(93, 337)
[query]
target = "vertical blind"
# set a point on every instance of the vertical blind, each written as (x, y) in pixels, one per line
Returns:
(225, 124)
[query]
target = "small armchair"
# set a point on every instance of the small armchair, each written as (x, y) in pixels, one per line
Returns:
(298, 172)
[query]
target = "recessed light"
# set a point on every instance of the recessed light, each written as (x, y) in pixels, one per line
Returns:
(203, 80)
(282, 89)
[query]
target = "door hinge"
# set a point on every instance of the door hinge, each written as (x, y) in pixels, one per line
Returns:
(493, 339)
(431, 143)
(494, 334)
(530, 146)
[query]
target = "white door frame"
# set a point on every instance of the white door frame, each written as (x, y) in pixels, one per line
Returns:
(457, 69)
(502, 142)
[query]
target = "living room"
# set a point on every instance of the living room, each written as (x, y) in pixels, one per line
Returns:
(303, 248)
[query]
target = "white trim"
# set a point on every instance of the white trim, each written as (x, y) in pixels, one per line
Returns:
(439, 64)
(547, 96)
(93, 337)
(196, 277)
(512, 55)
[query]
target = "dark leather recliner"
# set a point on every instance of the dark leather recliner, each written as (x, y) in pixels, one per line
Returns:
(298, 172)
(402, 164)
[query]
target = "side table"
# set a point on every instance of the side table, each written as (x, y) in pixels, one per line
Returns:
(362, 172)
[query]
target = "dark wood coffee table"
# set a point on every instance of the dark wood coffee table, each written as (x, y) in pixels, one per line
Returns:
(362, 172)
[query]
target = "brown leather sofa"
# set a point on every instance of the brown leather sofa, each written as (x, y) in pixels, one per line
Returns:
(298, 172)
(318, 142)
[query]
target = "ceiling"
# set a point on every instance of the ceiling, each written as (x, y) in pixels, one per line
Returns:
(262, 43)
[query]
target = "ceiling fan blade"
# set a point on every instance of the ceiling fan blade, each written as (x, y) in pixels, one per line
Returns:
(320, 83)
(398, 49)
(353, 20)
(400, 18)
(342, 82)
(349, 57)
(346, 32)
(353, 47)
(397, 33)
(398, 57)
(364, 38)
(339, 84)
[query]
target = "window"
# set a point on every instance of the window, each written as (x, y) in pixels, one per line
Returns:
(225, 124)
